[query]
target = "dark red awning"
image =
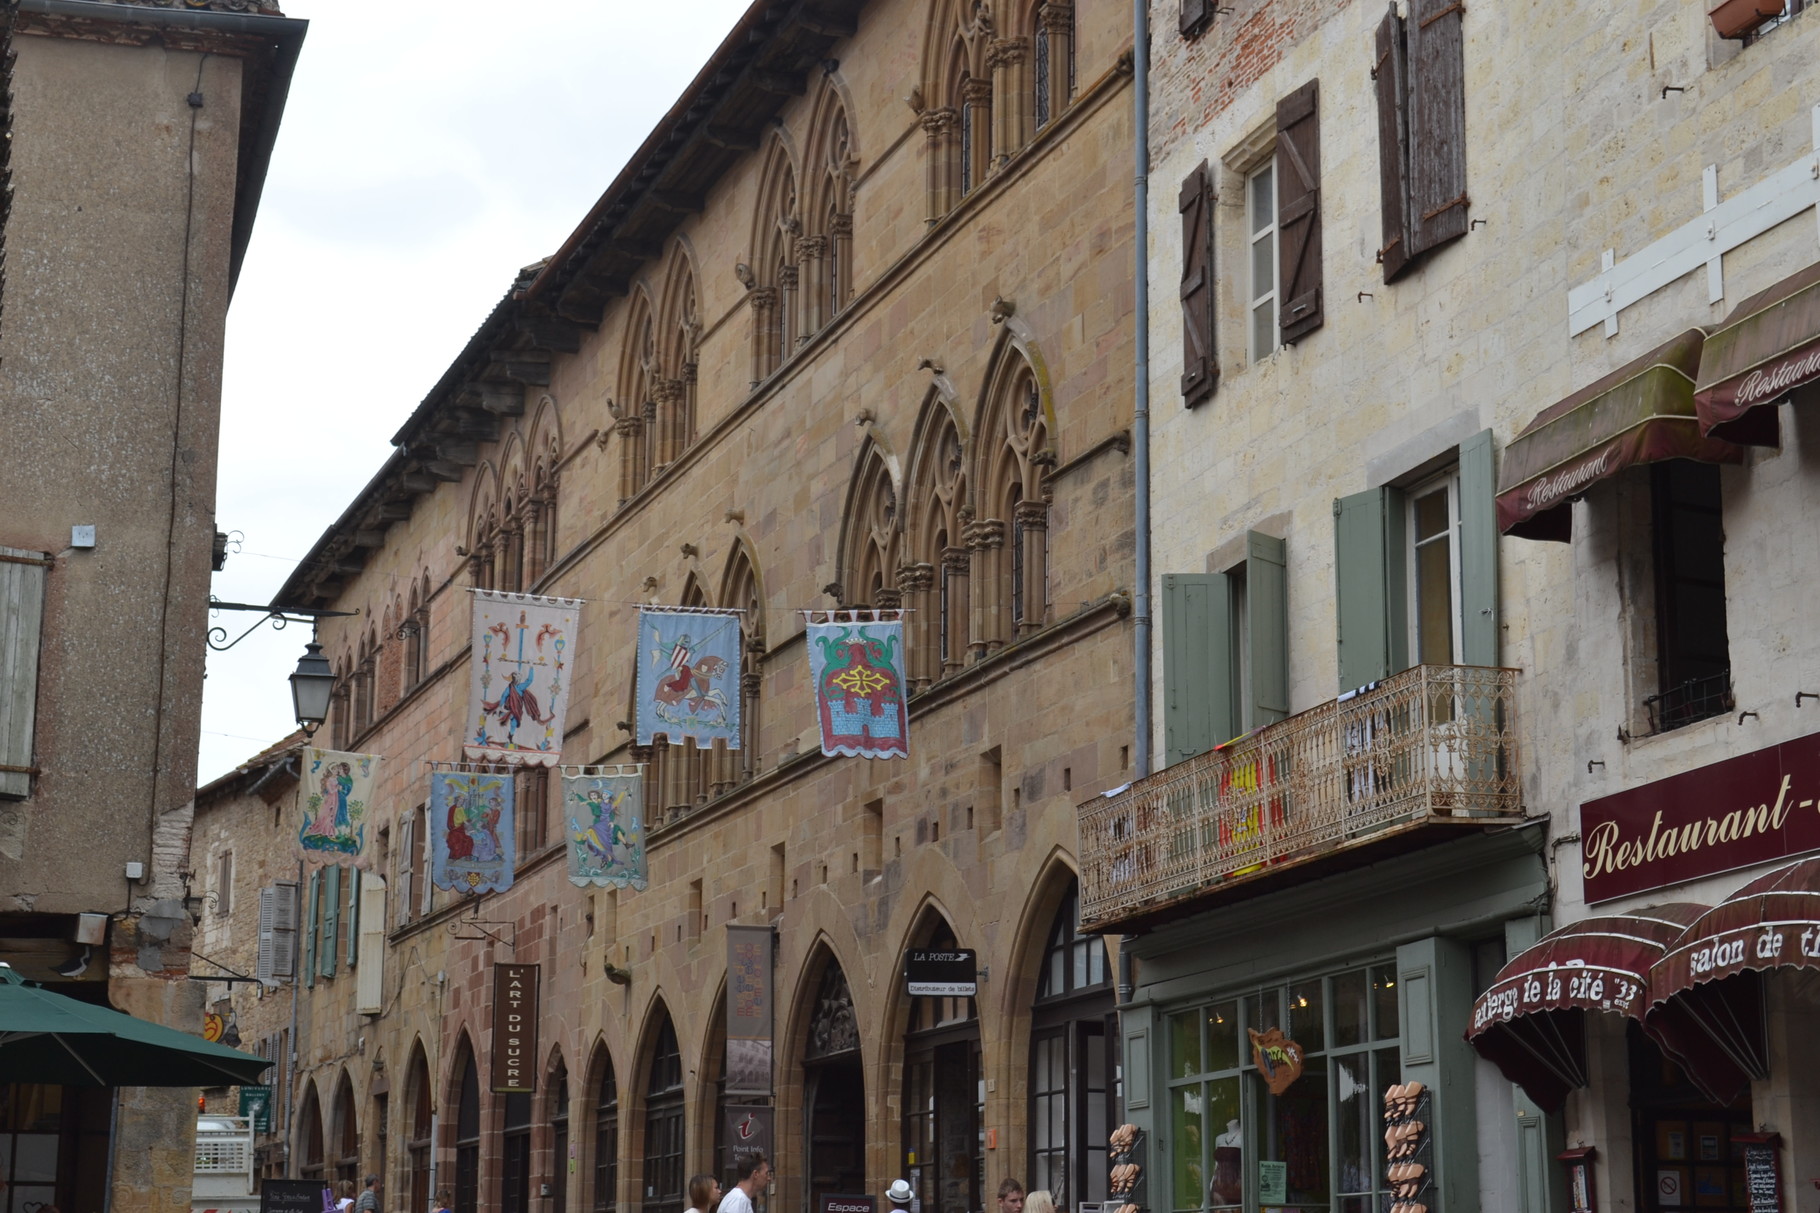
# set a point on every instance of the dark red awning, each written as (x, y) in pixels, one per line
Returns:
(1528, 1023)
(1706, 994)
(1643, 412)
(1767, 348)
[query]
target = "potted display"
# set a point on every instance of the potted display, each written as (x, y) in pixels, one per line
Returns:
(1736, 18)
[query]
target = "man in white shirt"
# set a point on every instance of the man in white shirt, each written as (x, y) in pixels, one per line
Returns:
(754, 1177)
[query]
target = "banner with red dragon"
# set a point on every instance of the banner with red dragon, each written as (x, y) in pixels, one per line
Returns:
(523, 646)
(857, 669)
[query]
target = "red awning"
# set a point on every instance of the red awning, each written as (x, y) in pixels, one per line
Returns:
(1643, 412)
(1705, 991)
(1767, 348)
(1528, 1023)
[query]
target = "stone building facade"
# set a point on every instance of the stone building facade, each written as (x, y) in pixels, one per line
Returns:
(136, 144)
(1416, 246)
(853, 328)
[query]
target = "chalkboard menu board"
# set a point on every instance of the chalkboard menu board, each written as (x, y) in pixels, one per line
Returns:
(291, 1196)
(1761, 1179)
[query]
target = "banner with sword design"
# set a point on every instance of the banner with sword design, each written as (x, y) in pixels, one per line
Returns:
(523, 648)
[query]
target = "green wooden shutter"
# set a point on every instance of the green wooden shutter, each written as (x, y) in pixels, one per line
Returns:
(1197, 664)
(1267, 615)
(1480, 632)
(312, 929)
(21, 623)
(1368, 586)
(353, 917)
(1434, 997)
(331, 918)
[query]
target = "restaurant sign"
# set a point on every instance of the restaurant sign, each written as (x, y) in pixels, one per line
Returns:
(514, 1029)
(1746, 810)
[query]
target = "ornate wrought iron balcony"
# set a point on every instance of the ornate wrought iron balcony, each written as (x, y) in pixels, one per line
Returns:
(1427, 751)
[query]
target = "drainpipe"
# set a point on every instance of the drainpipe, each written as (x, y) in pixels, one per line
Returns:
(1140, 415)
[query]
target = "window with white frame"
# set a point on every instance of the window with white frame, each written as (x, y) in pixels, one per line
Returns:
(1261, 281)
(1433, 524)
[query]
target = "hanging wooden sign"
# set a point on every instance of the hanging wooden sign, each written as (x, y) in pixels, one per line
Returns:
(514, 1029)
(1278, 1058)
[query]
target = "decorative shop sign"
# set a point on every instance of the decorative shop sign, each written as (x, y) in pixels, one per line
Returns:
(829, 1202)
(294, 1196)
(1408, 1147)
(256, 1102)
(1733, 814)
(1582, 1192)
(952, 974)
(1762, 1180)
(514, 1029)
(748, 1011)
(749, 1132)
(1278, 1058)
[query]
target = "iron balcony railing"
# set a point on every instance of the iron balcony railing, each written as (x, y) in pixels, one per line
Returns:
(1434, 744)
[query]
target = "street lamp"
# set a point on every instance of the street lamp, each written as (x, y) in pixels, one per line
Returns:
(311, 685)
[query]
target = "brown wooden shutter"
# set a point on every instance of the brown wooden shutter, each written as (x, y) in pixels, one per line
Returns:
(1194, 17)
(1200, 360)
(1390, 69)
(1437, 123)
(1299, 212)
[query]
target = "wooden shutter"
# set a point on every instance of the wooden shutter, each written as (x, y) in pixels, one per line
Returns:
(312, 929)
(369, 987)
(284, 930)
(407, 864)
(354, 907)
(21, 626)
(1480, 633)
(264, 968)
(1194, 16)
(1437, 124)
(1368, 586)
(1267, 622)
(331, 920)
(1299, 212)
(1197, 664)
(1200, 359)
(1390, 71)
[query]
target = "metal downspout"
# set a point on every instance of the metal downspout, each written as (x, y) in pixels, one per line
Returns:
(1140, 416)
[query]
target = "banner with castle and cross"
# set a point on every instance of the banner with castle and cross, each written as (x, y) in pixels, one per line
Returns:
(856, 665)
(334, 791)
(519, 694)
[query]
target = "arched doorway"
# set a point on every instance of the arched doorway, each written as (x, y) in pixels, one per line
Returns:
(347, 1134)
(1074, 1067)
(309, 1130)
(944, 1098)
(606, 1136)
(559, 1139)
(664, 1181)
(417, 1144)
(467, 1137)
(834, 1092)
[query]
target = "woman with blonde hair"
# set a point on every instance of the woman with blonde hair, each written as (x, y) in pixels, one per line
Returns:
(344, 1195)
(1040, 1201)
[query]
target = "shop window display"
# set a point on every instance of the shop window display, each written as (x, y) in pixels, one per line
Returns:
(1274, 1093)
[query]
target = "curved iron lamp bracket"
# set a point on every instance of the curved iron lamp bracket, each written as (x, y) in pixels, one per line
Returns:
(276, 616)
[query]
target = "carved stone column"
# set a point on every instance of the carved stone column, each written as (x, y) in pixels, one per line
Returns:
(763, 300)
(1055, 26)
(750, 683)
(955, 606)
(535, 543)
(977, 138)
(1012, 97)
(1032, 529)
(686, 417)
(786, 311)
(922, 626)
(666, 404)
(985, 539)
(839, 270)
(940, 127)
(630, 430)
(811, 264)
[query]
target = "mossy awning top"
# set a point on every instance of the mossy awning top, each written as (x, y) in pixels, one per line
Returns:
(1767, 348)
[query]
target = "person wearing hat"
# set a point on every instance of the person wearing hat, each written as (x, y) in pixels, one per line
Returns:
(900, 1194)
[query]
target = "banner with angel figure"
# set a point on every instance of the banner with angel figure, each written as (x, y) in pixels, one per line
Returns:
(604, 815)
(334, 792)
(523, 647)
(473, 843)
(688, 676)
(857, 670)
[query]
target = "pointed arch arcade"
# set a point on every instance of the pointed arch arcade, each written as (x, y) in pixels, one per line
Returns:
(1009, 538)
(871, 530)
(834, 1085)
(933, 578)
(773, 274)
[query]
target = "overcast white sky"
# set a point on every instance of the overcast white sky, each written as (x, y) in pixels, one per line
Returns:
(427, 153)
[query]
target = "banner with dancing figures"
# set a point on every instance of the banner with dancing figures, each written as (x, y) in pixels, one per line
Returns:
(334, 791)
(523, 645)
(857, 670)
(473, 843)
(604, 814)
(688, 676)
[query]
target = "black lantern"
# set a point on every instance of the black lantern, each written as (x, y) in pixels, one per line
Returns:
(311, 686)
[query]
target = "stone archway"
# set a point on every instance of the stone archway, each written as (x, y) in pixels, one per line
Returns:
(834, 1092)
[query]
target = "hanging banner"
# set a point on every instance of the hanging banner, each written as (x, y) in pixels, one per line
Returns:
(688, 676)
(333, 792)
(605, 819)
(472, 843)
(520, 691)
(748, 1010)
(857, 669)
(747, 1130)
(514, 1029)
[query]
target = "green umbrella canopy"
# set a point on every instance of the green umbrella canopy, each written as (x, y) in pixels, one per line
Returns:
(48, 1038)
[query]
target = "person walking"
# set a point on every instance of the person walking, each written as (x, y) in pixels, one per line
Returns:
(1040, 1201)
(1011, 1196)
(444, 1198)
(369, 1199)
(704, 1193)
(344, 1195)
(754, 1176)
